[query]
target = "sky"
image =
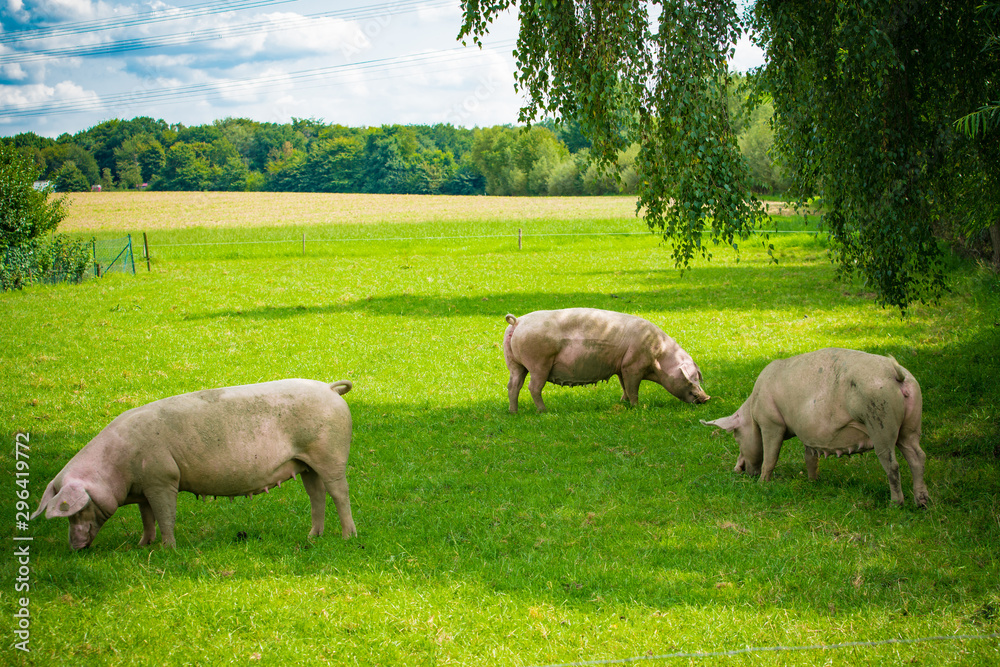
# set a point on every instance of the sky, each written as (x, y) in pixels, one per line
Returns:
(67, 65)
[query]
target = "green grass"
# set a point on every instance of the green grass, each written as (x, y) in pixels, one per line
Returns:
(591, 532)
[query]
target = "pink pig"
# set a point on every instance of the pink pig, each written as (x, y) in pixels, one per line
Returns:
(584, 346)
(234, 441)
(836, 401)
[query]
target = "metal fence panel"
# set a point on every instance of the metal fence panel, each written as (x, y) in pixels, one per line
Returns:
(113, 256)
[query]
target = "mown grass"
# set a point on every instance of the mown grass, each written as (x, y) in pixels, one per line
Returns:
(590, 532)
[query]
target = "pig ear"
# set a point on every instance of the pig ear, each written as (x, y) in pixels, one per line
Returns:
(46, 497)
(730, 423)
(691, 373)
(71, 499)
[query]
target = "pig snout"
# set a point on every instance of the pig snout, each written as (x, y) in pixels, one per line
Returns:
(699, 396)
(81, 535)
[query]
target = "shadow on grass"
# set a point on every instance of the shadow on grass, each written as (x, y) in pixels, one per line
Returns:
(716, 288)
(591, 504)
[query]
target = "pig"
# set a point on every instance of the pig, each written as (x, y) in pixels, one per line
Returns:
(836, 401)
(233, 441)
(578, 346)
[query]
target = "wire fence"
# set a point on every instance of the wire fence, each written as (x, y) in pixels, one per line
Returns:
(773, 649)
(113, 256)
(519, 236)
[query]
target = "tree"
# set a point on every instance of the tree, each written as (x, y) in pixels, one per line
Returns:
(102, 140)
(493, 155)
(127, 164)
(601, 64)
(385, 169)
(25, 212)
(756, 143)
(186, 168)
(865, 95)
(333, 165)
(57, 155)
(284, 168)
(69, 178)
(232, 175)
(977, 125)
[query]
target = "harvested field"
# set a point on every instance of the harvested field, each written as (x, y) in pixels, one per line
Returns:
(106, 211)
(152, 211)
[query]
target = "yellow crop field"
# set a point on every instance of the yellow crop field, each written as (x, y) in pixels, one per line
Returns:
(110, 211)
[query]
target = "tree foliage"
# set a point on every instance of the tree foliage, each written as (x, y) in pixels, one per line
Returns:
(866, 95)
(25, 212)
(27, 215)
(661, 82)
(69, 178)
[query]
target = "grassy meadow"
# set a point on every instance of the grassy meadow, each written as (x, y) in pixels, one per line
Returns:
(592, 532)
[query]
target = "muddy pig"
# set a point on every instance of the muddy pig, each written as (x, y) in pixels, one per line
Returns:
(837, 402)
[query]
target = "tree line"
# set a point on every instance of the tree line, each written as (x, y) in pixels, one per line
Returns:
(239, 154)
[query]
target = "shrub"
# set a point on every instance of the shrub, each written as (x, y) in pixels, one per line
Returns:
(25, 212)
(52, 260)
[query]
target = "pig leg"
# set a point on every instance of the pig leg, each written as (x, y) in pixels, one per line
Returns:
(812, 461)
(317, 500)
(148, 523)
(539, 376)
(337, 489)
(771, 436)
(517, 375)
(751, 451)
(884, 443)
(163, 504)
(887, 457)
(630, 386)
(332, 474)
(910, 446)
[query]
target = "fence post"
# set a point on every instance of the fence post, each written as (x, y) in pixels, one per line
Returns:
(131, 253)
(145, 249)
(518, 238)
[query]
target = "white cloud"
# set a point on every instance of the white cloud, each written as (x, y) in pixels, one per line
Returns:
(319, 36)
(300, 71)
(13, 73)
(58, 10)
(64, 91)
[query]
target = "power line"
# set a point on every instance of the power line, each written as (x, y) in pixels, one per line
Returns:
(332, 75)
(141, 18)
(184, 38)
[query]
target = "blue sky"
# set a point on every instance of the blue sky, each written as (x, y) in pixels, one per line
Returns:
(66, 65)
